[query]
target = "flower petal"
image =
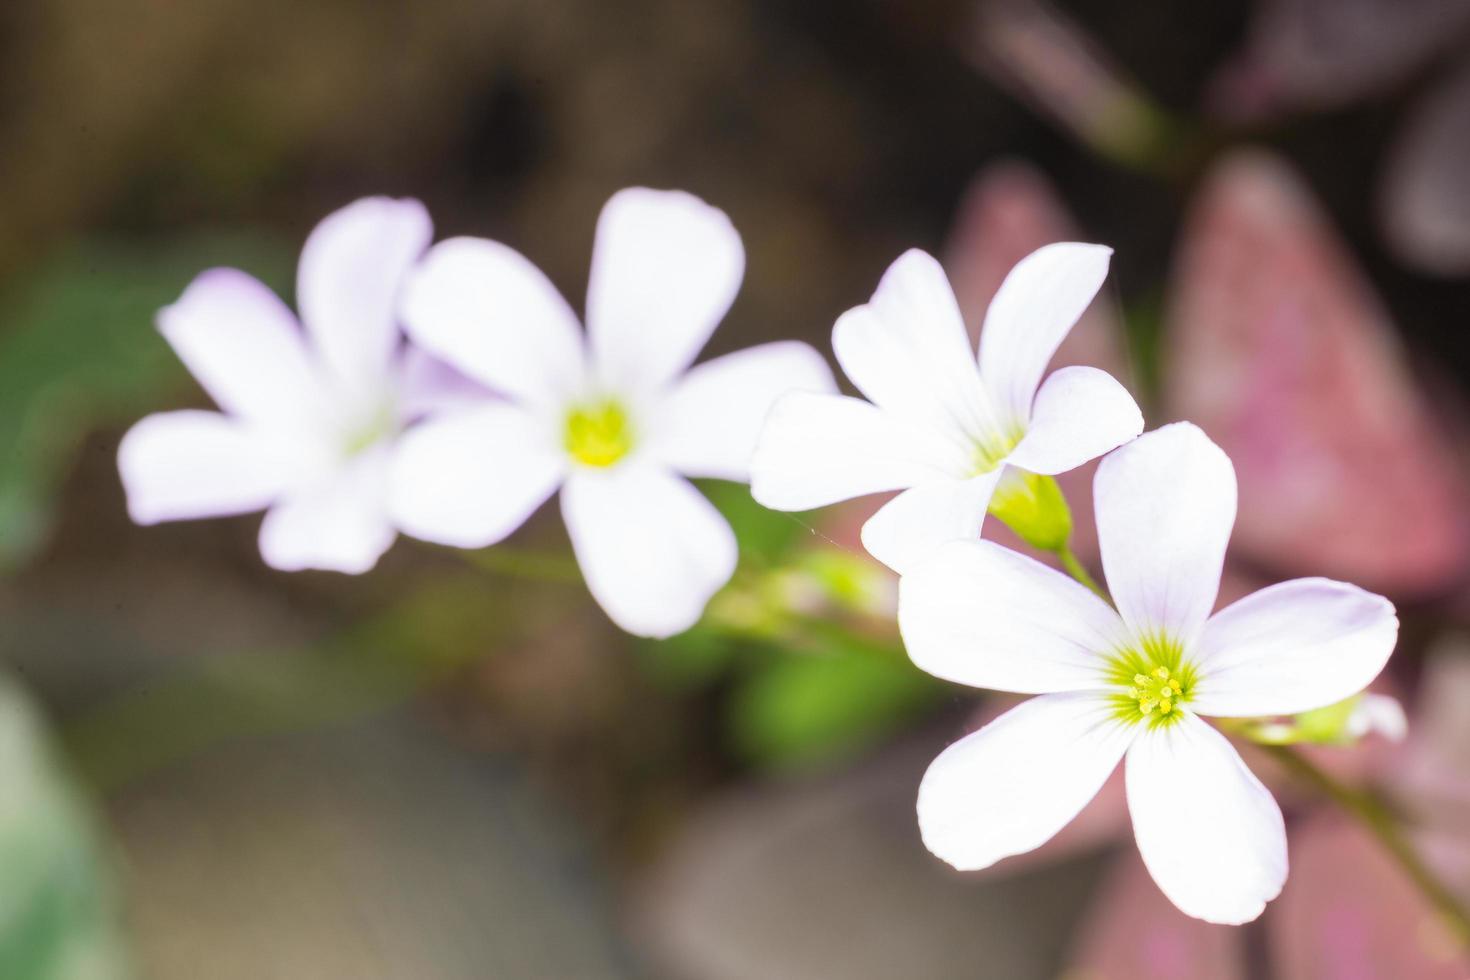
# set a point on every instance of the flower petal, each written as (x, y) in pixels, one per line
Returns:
(1035, 307)
(469, 478)
(485, 309)
(1209, 832)
(1293, 647)
(339, 524)
(1009, 787)
(712, 417)
(1080, 413)
(243, 346)
(818, 449)
(352, 268)
(652, 548)
(979, 614)
(178, 466)
(912, 525)
(907, 351)
(428, 386)
(1165, 504)
(665, 268)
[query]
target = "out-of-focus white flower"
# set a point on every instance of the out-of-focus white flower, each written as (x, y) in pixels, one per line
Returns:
(1133, 681)
(937, 425)
(613, 421)
(1378, 714)
(308, 418)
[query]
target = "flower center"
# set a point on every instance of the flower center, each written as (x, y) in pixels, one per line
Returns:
(989, 453)
(599, 434)
(1152, 681)
(372, 430)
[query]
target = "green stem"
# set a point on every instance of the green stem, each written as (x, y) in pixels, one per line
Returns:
(1074, 568)
(1381, 823)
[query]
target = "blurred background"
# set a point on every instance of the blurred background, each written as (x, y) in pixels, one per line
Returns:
(460, 769)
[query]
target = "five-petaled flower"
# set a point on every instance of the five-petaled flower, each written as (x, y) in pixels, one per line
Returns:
(937, 425)
(309, 417)
(1133, 681)
(616, 422)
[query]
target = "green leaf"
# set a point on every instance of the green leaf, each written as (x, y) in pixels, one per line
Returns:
(765, 536)
(58, 919)
(78, 351)
(803, 709)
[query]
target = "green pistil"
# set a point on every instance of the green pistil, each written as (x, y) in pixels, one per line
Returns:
(1152, 680)
(992, 452)
(377, 428)
(598, 434)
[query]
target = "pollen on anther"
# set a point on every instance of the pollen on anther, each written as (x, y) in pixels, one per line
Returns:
(1140, 678)
(1162, 673)
(1166, 706)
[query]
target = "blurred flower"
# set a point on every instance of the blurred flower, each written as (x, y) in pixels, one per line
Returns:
(1424, 200)
(938, 425)
(1321, 55)
(614, 420)
(309, 419)
(1279, 347)
(1133, 681)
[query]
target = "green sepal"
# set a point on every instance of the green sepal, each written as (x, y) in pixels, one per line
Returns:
(1327, 725)
(1034, 507)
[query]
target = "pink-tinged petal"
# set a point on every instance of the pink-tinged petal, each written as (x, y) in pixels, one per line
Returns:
(1211, 835)
(178, 466)
(1034, 309)
(1426, 199)
(978, 614)
(338, 524)
(1009, 212)
(652, 548)
(1132, 932)
(906, 350)
(710, 421)
(243, 346)
(471, 477)
(912, 525)
(816, 449)
(1284, 355)
(352, 269)
(665, 268)
(1165, 504)
(1080, 414)
(1293, 647)
(428, 386)
(485, 309)
(1009, 787)
(1349, 913)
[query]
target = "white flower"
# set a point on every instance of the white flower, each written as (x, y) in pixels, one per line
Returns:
(1134, 681)
(937, 425)
(1379, 714)
(308, 418)
(613, 421)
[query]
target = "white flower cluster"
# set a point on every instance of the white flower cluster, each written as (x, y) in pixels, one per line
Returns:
(448, 391)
